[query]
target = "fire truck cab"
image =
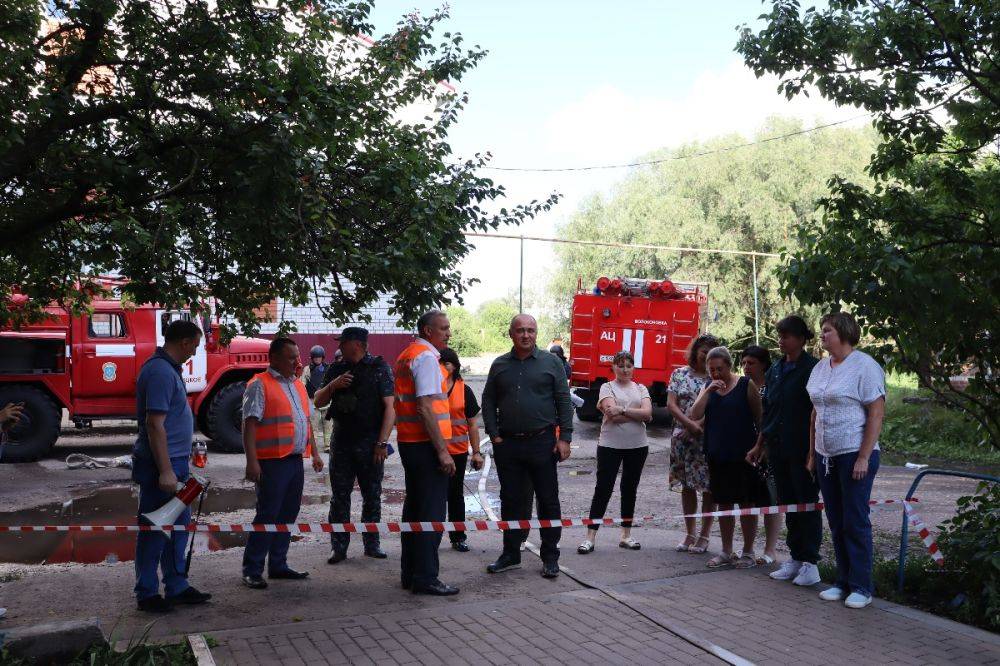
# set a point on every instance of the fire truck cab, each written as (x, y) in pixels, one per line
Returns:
(88, 365)
(653, 320)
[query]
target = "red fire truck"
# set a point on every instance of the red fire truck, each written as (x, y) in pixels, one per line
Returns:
(88, 365)
(654, 320)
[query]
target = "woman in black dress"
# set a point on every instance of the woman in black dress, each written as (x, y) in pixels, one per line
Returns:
(732, 410)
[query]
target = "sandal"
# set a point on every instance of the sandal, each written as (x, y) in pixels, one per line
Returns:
(765, 560)
(721, 560)
(683, 546)
(585, 547)
(629, 543)
(696, 549)
(744, 560)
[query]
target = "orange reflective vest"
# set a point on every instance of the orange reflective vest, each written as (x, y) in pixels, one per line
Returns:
(409, 424)
(276, 429)
(459, 442)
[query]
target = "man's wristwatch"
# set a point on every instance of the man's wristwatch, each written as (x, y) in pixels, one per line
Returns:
(381, 445)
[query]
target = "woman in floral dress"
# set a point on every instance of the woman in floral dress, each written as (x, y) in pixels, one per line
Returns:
(688, 467)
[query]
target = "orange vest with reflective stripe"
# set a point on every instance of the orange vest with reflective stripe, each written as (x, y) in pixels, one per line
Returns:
(276, 429)
(459, 442)
(409, 424)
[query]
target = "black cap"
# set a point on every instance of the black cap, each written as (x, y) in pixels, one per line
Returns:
(353, 333)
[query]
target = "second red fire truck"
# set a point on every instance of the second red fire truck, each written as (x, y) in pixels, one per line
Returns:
(655, 320)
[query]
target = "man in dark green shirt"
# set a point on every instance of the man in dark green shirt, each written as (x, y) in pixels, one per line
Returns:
(525, 403)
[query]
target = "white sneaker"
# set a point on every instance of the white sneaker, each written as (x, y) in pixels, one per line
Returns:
(3, 612)
(808, 575)
(832, 594)
(789, 569)
(857, 600)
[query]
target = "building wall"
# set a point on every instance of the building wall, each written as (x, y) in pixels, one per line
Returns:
(386, 337)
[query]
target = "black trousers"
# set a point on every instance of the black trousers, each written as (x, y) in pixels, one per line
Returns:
(608, 461)
(456, 496)
(796, 485)
(350, 461)
(426, 496)
(520, 460)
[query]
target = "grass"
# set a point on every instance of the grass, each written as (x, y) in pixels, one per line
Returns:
(929, 431)
(925, 586)
(141, 654)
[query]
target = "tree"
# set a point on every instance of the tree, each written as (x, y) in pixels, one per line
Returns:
(915, 253)
(747, 199)
(466, 335)
(236, 152)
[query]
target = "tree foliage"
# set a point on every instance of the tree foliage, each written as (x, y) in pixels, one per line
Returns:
(227, 150)
(916, 253)
(751, 198)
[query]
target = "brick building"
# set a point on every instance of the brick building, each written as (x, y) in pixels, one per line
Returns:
(387, 338)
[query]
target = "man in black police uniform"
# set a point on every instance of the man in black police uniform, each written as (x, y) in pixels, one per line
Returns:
(359, 389)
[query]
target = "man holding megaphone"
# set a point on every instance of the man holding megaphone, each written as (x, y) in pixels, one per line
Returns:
(160, 467)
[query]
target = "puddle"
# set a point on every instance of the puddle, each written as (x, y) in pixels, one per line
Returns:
(114, 505)
(473, 508)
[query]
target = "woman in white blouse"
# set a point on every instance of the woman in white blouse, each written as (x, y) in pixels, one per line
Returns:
(847, 389)
(622, 445)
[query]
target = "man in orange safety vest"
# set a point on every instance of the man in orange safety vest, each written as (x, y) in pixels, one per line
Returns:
(276, 436)
(423, 428)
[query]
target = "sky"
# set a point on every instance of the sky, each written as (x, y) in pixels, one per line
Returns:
(575, 83)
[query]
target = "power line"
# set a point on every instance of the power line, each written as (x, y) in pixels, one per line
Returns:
(676, 157)
(667, 248)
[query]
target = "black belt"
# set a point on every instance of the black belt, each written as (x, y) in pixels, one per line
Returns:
(526, 435)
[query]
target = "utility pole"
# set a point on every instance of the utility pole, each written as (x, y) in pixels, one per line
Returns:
(520, 287)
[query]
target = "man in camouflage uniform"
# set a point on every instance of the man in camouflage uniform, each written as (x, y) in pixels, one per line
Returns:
(359, 389)
(312, 377)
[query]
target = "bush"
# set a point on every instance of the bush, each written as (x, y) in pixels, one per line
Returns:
(970, 543)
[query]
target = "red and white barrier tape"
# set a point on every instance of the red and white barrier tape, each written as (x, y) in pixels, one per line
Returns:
(925, 534)
(436, 526)
(784, 508)
(308, 528)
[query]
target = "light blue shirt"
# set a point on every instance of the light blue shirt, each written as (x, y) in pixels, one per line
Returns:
(840, 397)
(253, 407)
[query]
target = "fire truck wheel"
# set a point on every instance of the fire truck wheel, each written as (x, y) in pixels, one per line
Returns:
(588, 412)
(36, 433)
(225, 418)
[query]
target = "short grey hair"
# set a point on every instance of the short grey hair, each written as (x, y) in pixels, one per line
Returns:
(510, 328)
(427, 318)
(720, 352)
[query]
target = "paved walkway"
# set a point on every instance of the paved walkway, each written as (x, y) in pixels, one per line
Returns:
(680, 617)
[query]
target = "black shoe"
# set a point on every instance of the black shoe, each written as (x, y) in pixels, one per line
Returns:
(460, 546)
(254, 582)
(288, 574)
(406, 584)
(550, 570)
(376, 552)
(504, 563)
(189, 596)
(436, 589)
(336, 556)
(156, 604)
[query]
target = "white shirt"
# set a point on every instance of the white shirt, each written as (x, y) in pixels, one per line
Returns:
(840, 396)
(629, 435)
(426, 369)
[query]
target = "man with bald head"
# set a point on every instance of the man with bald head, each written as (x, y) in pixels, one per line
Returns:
(525, 404)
